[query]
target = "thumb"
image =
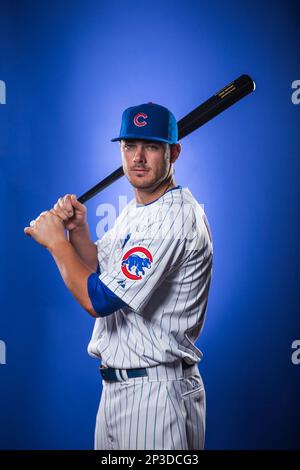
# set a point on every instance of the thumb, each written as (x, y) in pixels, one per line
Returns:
(28, 231)
(76, 203)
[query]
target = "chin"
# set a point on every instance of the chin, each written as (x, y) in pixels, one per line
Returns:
(140, 182)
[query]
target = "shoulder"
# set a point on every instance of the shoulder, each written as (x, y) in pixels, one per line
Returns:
(181, 205)
(192, 215)
(172, 216)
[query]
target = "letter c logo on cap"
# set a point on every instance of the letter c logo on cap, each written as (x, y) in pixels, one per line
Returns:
(137, 120)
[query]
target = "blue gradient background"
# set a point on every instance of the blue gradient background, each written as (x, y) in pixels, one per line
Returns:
(70, 68)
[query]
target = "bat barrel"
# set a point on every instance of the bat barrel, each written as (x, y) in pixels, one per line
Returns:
(220, 101)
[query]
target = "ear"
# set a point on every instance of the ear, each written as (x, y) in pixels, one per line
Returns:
(175, 150)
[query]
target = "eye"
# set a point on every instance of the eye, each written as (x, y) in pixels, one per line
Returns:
(152, 147)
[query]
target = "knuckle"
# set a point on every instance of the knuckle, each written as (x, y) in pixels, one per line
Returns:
(57, 213)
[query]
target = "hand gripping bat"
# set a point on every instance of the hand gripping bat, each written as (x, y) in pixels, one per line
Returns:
(217, 103)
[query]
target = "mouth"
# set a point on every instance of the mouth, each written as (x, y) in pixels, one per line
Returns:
(139, 170)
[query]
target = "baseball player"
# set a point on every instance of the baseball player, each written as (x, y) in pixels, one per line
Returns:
(146, 281)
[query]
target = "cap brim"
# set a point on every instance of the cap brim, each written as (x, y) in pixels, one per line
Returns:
(139, 137)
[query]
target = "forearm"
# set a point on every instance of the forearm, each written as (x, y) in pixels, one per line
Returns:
(81, 241)
(74, 273)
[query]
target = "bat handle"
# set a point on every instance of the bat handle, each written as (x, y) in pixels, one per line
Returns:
(102, 185)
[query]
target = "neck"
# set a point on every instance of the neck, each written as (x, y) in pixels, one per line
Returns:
(145, 196)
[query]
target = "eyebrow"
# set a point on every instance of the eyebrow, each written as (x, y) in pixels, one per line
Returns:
(152, 142)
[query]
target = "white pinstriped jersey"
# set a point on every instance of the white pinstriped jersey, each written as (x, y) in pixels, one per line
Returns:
(158, 259)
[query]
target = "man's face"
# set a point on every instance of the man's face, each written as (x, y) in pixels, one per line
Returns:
(145, 163)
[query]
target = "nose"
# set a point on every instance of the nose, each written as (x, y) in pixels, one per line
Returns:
(139, 154)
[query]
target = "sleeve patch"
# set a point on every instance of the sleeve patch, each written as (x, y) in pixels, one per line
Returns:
(135, 261)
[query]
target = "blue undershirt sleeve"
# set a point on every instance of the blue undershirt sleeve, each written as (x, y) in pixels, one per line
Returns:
(103, 300)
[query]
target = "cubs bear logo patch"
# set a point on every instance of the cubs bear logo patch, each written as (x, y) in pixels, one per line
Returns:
(135, 261)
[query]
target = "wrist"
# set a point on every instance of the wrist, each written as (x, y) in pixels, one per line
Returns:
(58, 245)
(79, 228)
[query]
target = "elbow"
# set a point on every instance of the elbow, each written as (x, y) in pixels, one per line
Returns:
(93, 313)
(89, 309)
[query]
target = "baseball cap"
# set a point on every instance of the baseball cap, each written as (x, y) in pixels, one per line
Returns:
(148, 121)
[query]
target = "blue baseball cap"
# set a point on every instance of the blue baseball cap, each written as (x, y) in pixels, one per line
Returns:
(148, 121)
